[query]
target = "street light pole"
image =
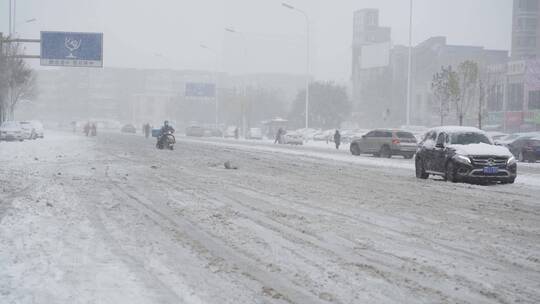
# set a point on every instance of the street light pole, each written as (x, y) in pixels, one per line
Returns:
(14, 15)
(216, 71)
(286, 5)
(10, 18)
(244, 119)
(409, 68)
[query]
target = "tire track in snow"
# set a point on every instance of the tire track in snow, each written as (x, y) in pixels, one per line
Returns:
(159, 213)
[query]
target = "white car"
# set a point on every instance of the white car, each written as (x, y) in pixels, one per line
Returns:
(11, 130)
(324, 135)
(29, 130)
(230, 132)
(307, 134)
(293, 138)
(255, 133)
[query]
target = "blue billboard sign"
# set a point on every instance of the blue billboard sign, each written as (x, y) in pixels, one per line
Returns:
(72, 49)
(204, 90)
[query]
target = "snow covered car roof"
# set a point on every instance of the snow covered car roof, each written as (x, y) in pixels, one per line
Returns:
(457, 129)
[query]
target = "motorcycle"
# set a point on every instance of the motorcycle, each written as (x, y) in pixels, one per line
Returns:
(166, 141)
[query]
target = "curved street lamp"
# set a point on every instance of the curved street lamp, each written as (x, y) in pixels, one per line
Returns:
(288, 6)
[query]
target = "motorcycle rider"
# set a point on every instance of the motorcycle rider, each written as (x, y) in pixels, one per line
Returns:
(166, 128)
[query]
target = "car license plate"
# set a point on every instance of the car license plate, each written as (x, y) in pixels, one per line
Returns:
(491, 170)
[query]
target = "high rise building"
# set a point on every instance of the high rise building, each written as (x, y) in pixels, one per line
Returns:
(370, 60)
(526, 30)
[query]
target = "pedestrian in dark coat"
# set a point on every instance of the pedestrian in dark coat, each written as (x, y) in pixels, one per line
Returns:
(337, 139)
(279, 136)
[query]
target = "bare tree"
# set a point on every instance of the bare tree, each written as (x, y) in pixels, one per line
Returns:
(445, 88)
(468, 84)
(17, 80)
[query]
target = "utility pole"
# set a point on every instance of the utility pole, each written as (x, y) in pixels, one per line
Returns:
(14, 16)
(245, 89)
(409, 68)
(286, 5)
(10, 27)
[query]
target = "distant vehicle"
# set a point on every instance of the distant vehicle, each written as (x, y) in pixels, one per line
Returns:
(496, 135)
(521, 147)
(308, 133)
(323, 135)
(508, 139)
(195, 131)
(11, 131)
(38, 127)
(348, 136)
(293, 138)
(418, 131)
(129, 128)
(29, 132)
(385, 143)
(464, 154)
(530, 151)
(254, 133)
(212, 132)
(230, 132)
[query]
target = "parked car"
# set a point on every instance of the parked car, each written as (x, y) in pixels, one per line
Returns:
(11, 130)
(29, 132)
(418, 131)
(255, 133)
(196, 131)
(323, 135)
(464, 154)
(213, 132)
(507, 140)
(230, 132)
(496, 135)
(293, 138)
(129, 128)
(348, 136)
(308, 133)
(385, 143)
(525, 148)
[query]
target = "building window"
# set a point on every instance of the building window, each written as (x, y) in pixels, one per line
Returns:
(534, 100)
(495, 98)
(528, 5)
(527, 24)
(515, 97)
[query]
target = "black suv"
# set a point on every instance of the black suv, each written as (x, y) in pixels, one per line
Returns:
(464, 154)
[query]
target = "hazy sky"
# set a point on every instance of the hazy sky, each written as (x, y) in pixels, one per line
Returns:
(168, 33)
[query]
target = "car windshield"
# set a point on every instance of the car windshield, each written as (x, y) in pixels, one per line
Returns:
(468, 138)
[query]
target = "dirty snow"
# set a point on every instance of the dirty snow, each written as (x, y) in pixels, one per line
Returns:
(112, 220)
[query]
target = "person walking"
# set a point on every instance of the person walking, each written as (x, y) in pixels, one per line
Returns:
(279, 134)
(146, 130)
(337, 139)
(93, 129)
(86, 128)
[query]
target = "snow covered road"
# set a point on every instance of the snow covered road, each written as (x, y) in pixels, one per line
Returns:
(112, 220)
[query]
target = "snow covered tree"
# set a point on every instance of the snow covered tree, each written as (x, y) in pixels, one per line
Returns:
(17, 80)
(445, 88)
(468, 73)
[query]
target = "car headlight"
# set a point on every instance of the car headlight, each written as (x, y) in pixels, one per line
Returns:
(511, 160)
(463, 159)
